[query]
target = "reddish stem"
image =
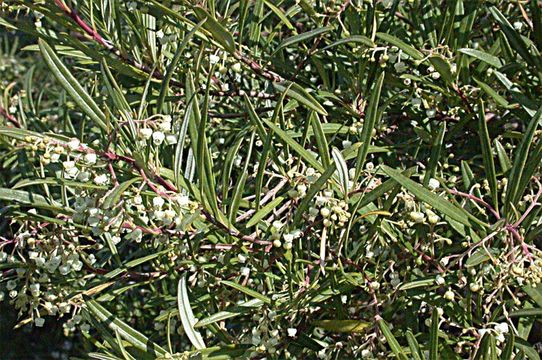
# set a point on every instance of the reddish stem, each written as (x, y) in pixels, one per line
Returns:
(10, 117)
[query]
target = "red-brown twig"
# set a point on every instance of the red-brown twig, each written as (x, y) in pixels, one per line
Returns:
(476, 199)
(10, 117)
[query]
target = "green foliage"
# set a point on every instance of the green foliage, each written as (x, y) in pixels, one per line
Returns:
(274, 179)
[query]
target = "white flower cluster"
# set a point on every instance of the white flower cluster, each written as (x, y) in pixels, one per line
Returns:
(158, 130)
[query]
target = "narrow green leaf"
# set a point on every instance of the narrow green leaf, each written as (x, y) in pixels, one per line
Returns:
(480, 256)
(436, 149)
(392, 341)
(433, 336)
(527, 348)
(504, 160)
(321, 141)
(357, 39)
(514, 38)
(342, 170)
(491, 92)
(415, 350)
(368, 126)
(133, 263)
(509, 347)
(443, 67)
(131, 335)
(219, 32)
(260, 214)
(303, 37)
(112, 199)
(483, 56)
(173, 65)
(306, 155)
(520, 159)
(445, 207)
(279, 14)
(409, 50)
(247, 291)
(535, 293)
(72, 87)
(343, 326)
(27, 198)
(239, 309)
(187, 317)
(298, 93)
(487, 154)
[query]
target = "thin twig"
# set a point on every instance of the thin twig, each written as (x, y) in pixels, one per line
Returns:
(10, 117)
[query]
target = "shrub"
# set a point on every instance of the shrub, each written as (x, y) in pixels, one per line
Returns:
(274, 179)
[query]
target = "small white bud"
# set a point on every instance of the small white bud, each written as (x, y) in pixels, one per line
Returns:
(145, 133)
(74, 143)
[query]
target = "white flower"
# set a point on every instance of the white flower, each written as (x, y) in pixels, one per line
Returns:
(501, 328)
(165, 125)
(434, 184)
(68, 165)
(74, 143)
(439, 280)
(90, 158)
(346, 144)
(171, 139)
(34, 287)
(432, 217)
(158, 137)
(39, 322)
(242, 258)
(158, 202)
(101, 179)
(288, 237)
(11, 284)
(449, 295)
(417, 217)
(375, 285)
(291, 332)
(77, 265)
(245, 271)
(64, 307)
(64, 269)
(145, 133)
(236, 67)
(214, 59)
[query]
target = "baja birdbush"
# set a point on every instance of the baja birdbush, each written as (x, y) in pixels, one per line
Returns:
(274, 179)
